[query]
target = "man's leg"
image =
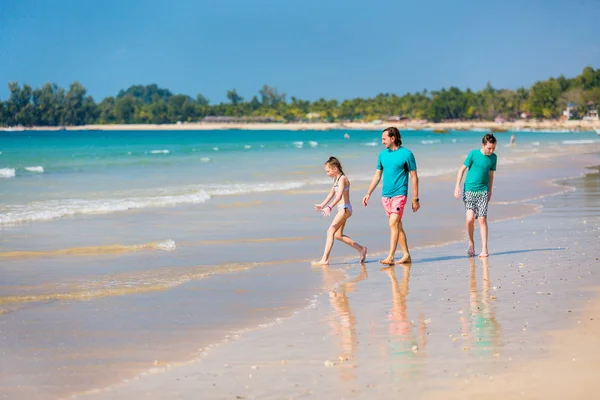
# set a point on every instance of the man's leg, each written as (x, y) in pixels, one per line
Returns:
(403, 244)
(470, 230)
(393, 221)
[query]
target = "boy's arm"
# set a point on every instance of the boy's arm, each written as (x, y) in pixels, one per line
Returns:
(373, 185)
(459, 177)
(415, 186)
(490, 185)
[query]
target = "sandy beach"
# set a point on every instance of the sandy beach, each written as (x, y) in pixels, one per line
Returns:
(379, 125)
(522, 324)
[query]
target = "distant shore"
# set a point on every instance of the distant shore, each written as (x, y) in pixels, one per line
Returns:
(298, 126)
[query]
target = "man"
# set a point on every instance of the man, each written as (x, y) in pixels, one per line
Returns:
(477, 192)
(395, 163)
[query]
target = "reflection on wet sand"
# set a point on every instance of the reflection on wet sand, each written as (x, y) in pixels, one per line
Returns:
(343, 320)
(407, 338)
(482, 329)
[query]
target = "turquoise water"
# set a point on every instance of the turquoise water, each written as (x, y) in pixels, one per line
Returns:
(48, 175)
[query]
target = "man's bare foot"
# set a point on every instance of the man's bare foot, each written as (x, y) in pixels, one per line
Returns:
(471, 250)
(363, 254)
(320, 262)
(387, 261)
(483, 254)
(405, 259)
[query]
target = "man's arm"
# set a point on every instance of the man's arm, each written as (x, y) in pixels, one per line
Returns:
(372, 186)
(490, 185)
(459, 177)
(415, 185)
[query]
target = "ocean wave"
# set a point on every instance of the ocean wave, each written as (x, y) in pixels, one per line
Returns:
(54, 209)
(162, 197)
(35, 169)
(298, 144)
(204, 159)
(159, 152)
(243, 188)
(7, 172)
(429, 141)
(129, 283)
(312, 143)
(370, 144)
(165, 245)
(582, 141)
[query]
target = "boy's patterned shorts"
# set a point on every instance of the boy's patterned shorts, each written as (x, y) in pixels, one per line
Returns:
(476, 201)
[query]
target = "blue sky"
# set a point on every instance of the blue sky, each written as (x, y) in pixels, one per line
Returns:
(308, 49)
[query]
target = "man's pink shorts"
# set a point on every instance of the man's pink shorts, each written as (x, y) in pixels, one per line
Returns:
(394, 205)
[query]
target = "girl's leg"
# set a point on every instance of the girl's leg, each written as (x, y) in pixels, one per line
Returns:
(338, 221)
(339, 235)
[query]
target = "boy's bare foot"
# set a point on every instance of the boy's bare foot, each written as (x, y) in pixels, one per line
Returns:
(387, 261)
(363, 254)
(405, 259)
(320, 262)
(483, 254)
(471, 250)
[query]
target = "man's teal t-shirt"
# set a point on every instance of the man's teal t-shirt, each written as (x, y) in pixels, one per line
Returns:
(396, 164)
(478, 176)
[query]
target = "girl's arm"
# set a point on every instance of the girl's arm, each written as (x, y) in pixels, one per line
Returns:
(319, 207)
(343, 183)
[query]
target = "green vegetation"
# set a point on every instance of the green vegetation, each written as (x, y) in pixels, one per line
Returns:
(51, 105)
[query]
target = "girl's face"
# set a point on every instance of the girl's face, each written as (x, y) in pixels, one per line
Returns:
(330, 171)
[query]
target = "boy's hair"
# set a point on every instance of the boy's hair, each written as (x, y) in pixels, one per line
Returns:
(334, 162)
(394, 133)
(488, 138)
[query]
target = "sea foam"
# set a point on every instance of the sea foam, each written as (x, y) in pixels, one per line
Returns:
(7, 172)
(53, 209)
(35, 169)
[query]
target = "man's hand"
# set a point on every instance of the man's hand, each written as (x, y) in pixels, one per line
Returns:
(366, 199)
(415, 206)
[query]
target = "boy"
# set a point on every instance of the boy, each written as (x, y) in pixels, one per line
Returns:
(477, 191)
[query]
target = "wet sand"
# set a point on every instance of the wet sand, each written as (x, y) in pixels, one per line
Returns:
(439, 328)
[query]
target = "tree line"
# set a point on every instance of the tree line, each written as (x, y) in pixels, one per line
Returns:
(52, 105)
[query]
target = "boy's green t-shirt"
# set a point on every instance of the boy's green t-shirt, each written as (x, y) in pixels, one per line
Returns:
(478, 176)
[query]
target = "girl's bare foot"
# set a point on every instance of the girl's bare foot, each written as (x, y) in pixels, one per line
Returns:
(405, 259)
(320, 262)
(483, 254)
(363, 254)
(471, 250)
(387, 261)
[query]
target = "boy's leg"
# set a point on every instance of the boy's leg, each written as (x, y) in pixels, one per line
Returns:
(483, 228)
(483, 225)
(470, 224)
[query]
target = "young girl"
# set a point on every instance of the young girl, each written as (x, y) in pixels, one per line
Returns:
(340, 193)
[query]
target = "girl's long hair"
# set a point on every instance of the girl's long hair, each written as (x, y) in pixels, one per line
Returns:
(334, 162)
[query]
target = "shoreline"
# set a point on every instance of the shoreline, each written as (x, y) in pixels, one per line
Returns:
(543, 125)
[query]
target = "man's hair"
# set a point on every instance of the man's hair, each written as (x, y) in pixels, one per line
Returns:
(394, 133)
(488, 138)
